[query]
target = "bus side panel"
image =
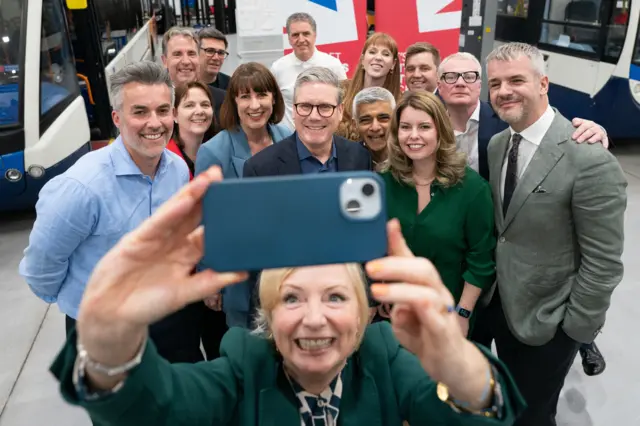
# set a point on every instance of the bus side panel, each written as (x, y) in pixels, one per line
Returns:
(615, 101)
(27, 196)
(613, 107)
(11, 189)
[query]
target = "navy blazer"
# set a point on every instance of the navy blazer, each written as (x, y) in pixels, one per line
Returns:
(282, 158)
(489, 126)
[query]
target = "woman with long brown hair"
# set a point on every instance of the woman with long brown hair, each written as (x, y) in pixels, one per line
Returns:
(379, 66)
(445, 207)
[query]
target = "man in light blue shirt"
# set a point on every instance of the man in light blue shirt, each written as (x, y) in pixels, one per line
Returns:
(82, 213)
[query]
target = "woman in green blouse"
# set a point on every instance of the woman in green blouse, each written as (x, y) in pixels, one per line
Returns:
(314, 361)
(444, 207)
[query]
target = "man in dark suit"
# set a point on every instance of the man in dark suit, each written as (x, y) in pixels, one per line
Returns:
(313, 148)
(181, 57)
(213, 52)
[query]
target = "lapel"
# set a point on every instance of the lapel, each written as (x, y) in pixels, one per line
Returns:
(496, 158)
(289, 163)
(360, 402)
(240, 151)
(544, 160)
(346, 161)
(278, 409)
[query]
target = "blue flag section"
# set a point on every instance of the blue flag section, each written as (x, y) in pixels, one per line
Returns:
(329, 4)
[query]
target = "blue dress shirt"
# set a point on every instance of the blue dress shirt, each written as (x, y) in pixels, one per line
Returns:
(310, 164)
(82, 214)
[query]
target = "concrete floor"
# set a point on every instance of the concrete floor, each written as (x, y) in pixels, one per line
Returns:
(33, 332)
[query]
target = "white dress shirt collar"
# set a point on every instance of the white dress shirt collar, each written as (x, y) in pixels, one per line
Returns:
(535, 133)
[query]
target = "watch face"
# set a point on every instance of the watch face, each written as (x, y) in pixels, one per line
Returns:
(464, 313)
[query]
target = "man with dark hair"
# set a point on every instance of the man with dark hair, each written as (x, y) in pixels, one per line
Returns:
(213, 52)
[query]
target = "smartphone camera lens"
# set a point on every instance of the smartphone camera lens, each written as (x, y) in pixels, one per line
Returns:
(368, 189)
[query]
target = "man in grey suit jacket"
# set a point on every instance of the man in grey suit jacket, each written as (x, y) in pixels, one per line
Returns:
(559, 209)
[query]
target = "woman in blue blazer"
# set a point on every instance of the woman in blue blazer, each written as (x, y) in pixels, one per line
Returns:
(252, 107)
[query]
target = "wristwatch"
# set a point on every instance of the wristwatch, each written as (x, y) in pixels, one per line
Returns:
(464, 313)
(497, 399)
(83, 361)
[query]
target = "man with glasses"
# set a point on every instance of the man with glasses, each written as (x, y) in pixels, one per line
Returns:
(313, 148)
(474, 124)
(213, 52)
(181, 57)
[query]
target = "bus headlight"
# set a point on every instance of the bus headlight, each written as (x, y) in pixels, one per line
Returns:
(36, 172)
(13, 175)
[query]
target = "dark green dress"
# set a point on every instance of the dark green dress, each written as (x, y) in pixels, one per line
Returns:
(455, 230)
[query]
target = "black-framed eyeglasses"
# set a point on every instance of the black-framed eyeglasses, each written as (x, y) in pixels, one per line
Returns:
(212, 52)
(325, 110)
(468, 77)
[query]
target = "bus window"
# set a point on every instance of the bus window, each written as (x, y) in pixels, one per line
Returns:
(10, 45)
(519, 8)
(572, 24)
(58, 82)
(636, 50)
(616, 30)
(578, 25)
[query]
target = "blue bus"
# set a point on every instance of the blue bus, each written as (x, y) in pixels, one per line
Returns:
(53, 95)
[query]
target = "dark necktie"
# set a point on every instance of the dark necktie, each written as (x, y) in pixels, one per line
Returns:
(511, 179)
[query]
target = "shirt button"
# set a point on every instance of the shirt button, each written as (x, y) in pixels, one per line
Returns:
(502, 240)
(320, 403)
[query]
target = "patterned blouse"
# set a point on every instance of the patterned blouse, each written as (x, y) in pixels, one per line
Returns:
(319, 410)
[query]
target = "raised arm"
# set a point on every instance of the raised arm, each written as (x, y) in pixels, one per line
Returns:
(599, 202)
(144, 278)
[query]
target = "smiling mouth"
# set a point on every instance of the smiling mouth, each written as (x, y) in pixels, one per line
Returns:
(415, 146)
(311, 345)
(315, 128)
(152, 136)
(199, 120)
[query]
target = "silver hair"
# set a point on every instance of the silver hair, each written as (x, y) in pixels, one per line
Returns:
(318, 75)
(144, 72)
(512, 51)
(301, 17)
(372, 95)
(460, 55)
(178, 31)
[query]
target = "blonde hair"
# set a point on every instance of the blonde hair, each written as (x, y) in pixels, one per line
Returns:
(450, 163)
(271, 281)
(347, 127)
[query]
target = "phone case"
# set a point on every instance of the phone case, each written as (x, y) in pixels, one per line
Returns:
(288, 221)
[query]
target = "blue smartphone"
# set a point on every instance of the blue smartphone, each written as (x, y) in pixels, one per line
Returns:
(297, 220)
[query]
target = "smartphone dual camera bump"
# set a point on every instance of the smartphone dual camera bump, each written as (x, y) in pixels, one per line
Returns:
(360, 199)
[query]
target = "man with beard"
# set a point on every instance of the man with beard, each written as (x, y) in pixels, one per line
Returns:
(213, 52)
(82, 213)
(180, 47)
(559, 213)
(301, 29)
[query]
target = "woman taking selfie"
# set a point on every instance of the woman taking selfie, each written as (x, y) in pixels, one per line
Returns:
(313, 357)
(194, 121)
(248, 117)
(445, 208)
(379, 66)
